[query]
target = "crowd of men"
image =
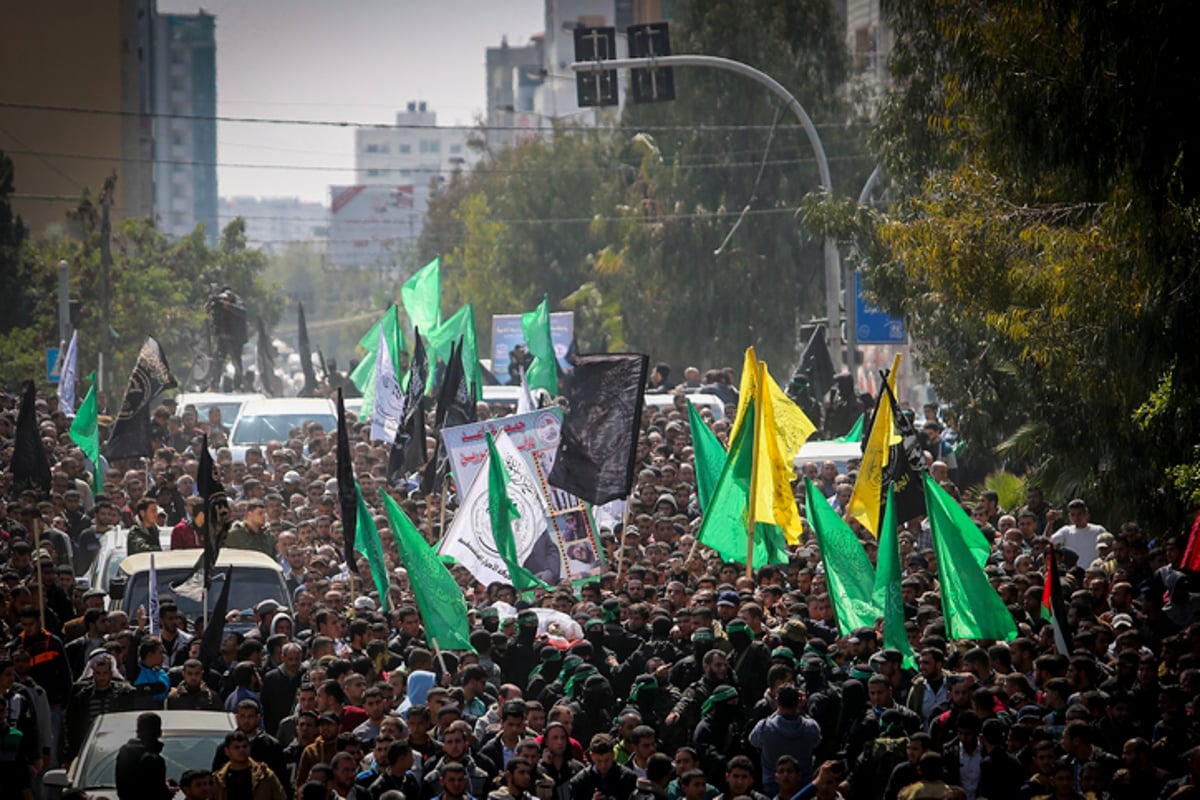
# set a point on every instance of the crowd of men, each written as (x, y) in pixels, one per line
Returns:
(692, 679)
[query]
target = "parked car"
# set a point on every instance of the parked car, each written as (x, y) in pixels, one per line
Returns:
(272, 419)
(112, 553)
(256, 578)
(190, 738)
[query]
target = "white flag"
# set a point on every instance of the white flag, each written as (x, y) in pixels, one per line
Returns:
(470, 539)
(66, 377)
(525, 402)
(389, 396)
(153, 600)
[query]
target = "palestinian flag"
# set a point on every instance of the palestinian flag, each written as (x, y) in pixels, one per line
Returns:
(1054, 608)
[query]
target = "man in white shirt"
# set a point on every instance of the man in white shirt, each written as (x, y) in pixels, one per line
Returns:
(1080, 536)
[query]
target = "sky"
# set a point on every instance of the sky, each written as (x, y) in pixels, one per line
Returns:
(342, 60)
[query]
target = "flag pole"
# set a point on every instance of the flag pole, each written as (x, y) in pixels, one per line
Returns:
(624, 528)
(439, 654)
(37, 547)
(759, 377)
(442, 510)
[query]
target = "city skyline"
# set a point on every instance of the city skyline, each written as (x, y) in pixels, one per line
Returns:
(359, 62)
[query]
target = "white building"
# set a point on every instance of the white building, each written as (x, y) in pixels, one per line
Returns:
(375, 220)
(273, 223)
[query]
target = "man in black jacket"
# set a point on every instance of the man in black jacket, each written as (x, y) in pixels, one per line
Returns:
(264, 748)
(141, 772)
(604, 776)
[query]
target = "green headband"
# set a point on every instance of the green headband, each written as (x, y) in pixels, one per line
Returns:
(578, 677)
(728, 693)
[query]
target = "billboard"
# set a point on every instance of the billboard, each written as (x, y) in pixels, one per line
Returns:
(507, 334)
(369, 225)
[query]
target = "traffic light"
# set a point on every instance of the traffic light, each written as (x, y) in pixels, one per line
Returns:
(596, 88)
(650, 84)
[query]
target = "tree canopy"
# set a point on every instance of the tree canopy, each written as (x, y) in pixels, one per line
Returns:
(1044, 243)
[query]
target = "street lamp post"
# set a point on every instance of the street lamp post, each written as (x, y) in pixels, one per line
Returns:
(832, 262)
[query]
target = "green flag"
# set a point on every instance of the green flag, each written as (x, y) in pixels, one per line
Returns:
(502, 511)
(460, 325)
(422, 296)
(85, 432)
(848, 571)
(725, 522)
(363, 376)
(543, 372)
(970, 605)
(710, 458)
(366, 541)
(440, 600)
(855, 432)
(887, 596)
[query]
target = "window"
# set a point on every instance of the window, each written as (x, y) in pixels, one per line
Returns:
(374, 173)
(377, 148)
(455, 148)
(405, 148)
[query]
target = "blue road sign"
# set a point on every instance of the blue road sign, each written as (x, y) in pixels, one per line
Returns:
(51, 363)
(874, 326)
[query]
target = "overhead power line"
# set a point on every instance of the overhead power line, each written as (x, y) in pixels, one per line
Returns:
(394, 125)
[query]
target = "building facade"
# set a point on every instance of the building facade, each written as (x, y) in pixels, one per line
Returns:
(184, 70)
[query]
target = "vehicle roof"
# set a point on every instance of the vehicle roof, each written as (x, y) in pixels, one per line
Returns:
(839, 452)
(175, 559)
(288, 405)
(217, 397)
(173, 721)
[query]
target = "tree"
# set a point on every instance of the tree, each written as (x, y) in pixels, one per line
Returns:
(1044, 245)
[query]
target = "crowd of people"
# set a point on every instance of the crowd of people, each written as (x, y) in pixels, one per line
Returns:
(692, 678)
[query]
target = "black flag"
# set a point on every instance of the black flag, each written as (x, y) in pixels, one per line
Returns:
(217, 514)
(30, 465)
(151, 375)
(455, 406)
(310, 375)
(597, 451)
(816, 364)
(408, 448)
(210, 645)
(906, 462)
(347, 494)
(264, 360)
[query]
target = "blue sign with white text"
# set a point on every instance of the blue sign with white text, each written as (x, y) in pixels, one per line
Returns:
(874, 326)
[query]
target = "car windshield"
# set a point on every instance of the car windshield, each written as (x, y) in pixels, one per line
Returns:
(250, 586)
(228, 410)
(182, 750)
(274, 427)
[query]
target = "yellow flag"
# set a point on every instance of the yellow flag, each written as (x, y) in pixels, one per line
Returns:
(792, 425)
(772, 501)
(867, 496)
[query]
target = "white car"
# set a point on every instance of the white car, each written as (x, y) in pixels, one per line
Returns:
(112, 553)
(189, 740)
(229, 404)
(272, 419)
(710, 401)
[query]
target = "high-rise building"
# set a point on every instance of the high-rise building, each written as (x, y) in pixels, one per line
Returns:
(184, 70)
(274, 223)
(513, 77)
(75, 109)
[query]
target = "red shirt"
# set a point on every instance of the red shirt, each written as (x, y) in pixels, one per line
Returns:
(184, 536)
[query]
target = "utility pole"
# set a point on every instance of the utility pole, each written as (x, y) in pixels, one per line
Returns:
(64, 304)
(833, 277)
(106, 201)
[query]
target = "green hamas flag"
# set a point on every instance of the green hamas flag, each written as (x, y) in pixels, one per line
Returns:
(443, 608)
(85, 432)
(855, 432)
(970, 605)
(724, 528)
(710, 458)
(848, 571)
(543, 372)
(887, 596)
(422, 296)
(366, 541)
(503, 512)
(460, 325)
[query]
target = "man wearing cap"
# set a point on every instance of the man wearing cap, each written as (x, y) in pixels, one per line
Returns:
(251, 533)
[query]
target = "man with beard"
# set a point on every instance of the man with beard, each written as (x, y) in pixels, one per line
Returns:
(687, 711)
